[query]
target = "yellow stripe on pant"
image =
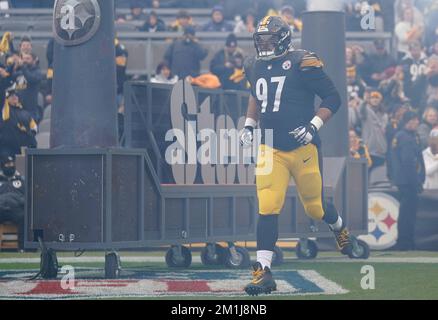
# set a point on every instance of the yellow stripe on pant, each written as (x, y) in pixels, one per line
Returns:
(302, 165)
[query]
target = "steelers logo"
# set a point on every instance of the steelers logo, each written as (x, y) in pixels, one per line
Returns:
(75, 21)
(382, 221)
(17, 184)
(287, 65)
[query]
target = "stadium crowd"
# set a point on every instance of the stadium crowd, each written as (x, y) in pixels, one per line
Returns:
(387, 91)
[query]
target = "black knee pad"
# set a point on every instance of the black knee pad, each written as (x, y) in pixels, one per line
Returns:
(267, 232)
(330, 213)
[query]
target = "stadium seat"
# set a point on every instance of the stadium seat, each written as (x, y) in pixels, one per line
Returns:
(126, 27)
(8, 25)
(8, 236)
(43, 25)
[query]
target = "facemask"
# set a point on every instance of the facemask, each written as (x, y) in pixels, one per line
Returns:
(9, 171)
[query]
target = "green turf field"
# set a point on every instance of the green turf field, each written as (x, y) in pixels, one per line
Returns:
(410, 275)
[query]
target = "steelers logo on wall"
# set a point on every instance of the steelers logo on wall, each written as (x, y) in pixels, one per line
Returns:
(382, 221)
(75, 21)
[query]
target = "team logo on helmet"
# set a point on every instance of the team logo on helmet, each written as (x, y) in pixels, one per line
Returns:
(287, 65)
(75, 21)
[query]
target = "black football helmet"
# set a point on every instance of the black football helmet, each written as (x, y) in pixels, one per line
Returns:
(273, 38)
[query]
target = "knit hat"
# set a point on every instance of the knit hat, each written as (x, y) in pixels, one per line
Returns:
(231, 41)
(408, 116)
(217, 8)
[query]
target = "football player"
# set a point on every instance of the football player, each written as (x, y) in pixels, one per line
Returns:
(284, 83)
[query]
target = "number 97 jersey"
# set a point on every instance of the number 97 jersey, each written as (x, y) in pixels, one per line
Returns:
(285, 90)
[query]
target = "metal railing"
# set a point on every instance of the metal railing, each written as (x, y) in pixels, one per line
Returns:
(146, 49)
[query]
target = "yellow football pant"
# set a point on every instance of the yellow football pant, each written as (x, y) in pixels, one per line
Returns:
(303, 165)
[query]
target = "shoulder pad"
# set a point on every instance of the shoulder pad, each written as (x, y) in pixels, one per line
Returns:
(249, 62)
(310, 60)
(248, 65)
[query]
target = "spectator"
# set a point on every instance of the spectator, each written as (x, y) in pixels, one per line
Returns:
(12, 196)
(358, 149)
(49, 75)
(217, 22)
(393, 90)
(153, 24)
(5, 81)
(354, 103)
(402, 5)
(430, 156)
(430, 121)
(25, 46)
(373, 120)
(414, 71)
(184, 55)
(248, 24)
(355, 85)
(409, 176)
(17, 127)
(222, 64)
(183, 20)
(377, 65)
(407, 31)
(155, 4)
(433, 49)
(29, 77)
(432, 79)
(164, 75)
(391, 129)
(137, 12)
(431, 29)
(287, 13)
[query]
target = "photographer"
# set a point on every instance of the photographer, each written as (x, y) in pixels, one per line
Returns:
(184, 55)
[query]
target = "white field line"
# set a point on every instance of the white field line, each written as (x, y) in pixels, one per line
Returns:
(197, 259)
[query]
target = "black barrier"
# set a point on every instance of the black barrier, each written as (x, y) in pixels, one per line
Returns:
(150, 111)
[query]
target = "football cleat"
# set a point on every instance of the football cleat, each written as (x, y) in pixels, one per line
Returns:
(262, 282)
(343, 240)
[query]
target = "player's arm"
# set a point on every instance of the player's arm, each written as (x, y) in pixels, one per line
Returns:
(247, 135)
(318, 82)
(252, 116)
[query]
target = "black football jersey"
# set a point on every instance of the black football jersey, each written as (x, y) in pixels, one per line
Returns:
(285, 90)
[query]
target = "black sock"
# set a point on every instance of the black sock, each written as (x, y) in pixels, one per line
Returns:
(267, 232)
(330, 213)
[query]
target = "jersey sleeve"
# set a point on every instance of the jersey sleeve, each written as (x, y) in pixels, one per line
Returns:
(248, 66)
(318, 82)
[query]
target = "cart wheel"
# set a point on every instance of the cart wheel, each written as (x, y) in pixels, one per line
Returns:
(277, 257)
(112, 265)
(237, 257)
(309, 251)
(209, 258)
(48, 264)
(176, 260)
(361, 250)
